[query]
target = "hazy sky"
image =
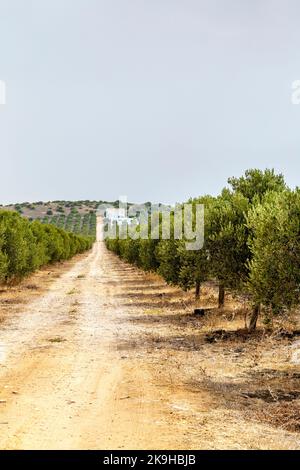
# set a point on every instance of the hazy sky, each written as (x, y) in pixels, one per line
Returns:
(154, 99)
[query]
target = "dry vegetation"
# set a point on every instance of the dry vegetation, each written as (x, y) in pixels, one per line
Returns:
(254, 375)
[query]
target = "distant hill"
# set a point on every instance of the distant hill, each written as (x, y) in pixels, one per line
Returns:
(74, 216)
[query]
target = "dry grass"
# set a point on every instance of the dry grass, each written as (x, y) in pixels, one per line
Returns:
(248, 376)
(283, 415)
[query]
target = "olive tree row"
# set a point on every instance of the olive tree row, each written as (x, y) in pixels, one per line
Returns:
(251, 246)
(26, 246)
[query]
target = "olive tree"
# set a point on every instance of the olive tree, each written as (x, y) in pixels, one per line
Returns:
(274, 278)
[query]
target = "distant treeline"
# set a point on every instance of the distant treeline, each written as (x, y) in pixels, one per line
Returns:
(251, 245)
(26, 246)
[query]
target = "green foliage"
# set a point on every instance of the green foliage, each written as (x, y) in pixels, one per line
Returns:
(169, 261)
(227, 238)
(74, 222)
(274, 278)
(26, 246)
(256, 183)
(3, 255)
(147, 255)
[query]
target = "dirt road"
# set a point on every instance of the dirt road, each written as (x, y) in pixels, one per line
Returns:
(95, 361)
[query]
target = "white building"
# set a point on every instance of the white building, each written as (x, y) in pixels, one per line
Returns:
(117, 215)
(114, 214)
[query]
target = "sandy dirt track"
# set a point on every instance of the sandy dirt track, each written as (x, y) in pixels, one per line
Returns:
(90, 363)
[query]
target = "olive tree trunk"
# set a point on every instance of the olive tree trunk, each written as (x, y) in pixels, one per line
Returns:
(197, 290)
(254, 317)
(221, 298)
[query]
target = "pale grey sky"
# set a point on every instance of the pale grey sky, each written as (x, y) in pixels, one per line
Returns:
(155, 99)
